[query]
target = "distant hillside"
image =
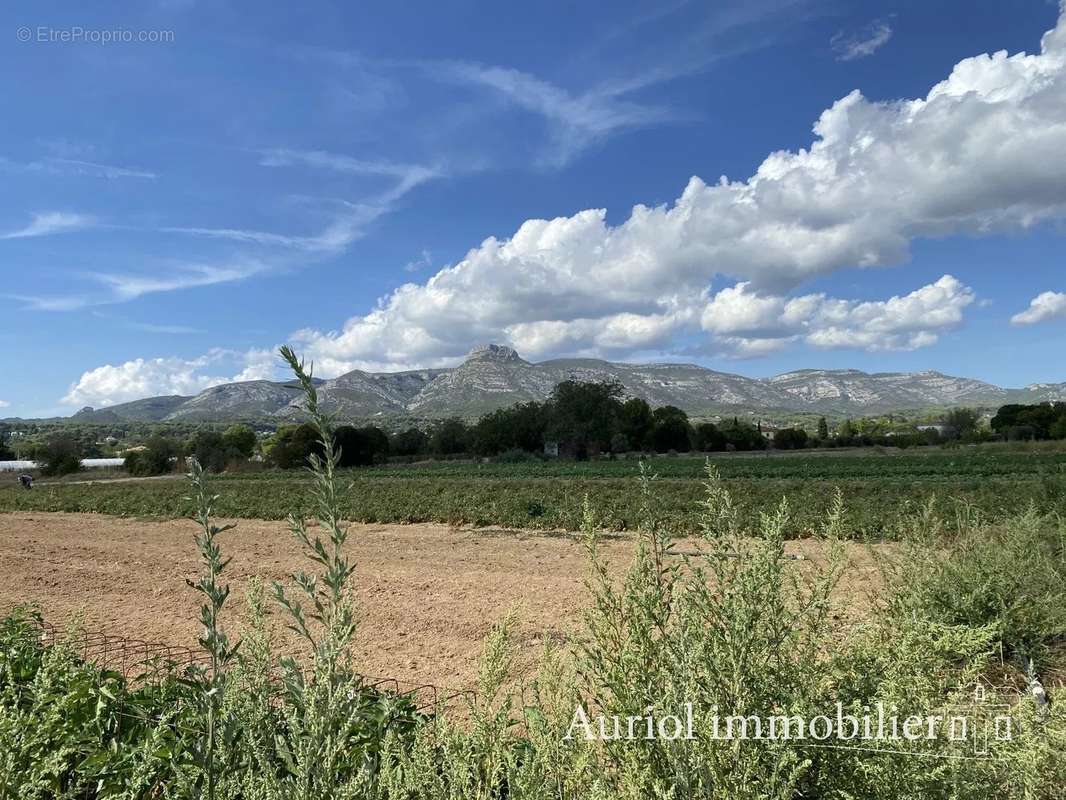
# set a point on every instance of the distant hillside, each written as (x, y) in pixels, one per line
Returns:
(150, 409)
(494, 376)
(246, 400)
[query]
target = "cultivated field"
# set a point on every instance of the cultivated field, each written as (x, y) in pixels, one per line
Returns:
(428, 594)
(778, 605)
(881, 487)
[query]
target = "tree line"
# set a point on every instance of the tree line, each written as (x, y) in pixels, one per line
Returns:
(578, 420)
(1017, 422)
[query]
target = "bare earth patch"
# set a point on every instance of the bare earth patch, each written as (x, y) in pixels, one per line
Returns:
(428, 594)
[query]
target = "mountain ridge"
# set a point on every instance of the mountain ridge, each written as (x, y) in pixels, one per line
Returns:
(495, 376)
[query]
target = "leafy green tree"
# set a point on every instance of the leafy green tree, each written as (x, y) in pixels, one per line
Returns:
(584, 415)
(209, 449)
(378, 442)
(528, 422)
(672, 430)
(360, 447)
(60, 455)
(291, 445)
(1058, 428)
(239, 440)
(742, 436)
(823, 429)
(156, 459)
(520, 427)
(708, 438)
(353, 449)
(636, 422)
(1015, 421)
(790, 439)
(449, 437)
(961, 423)
(846, 431)
(411, 442)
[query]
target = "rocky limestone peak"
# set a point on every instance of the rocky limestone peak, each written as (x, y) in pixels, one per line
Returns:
(493, 352)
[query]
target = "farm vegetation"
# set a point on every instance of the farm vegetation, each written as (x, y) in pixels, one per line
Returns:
(994, 481)
(729, 627)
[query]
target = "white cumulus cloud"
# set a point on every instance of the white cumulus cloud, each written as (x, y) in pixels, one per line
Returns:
(147, 377)
(980, 153)
(751, 323)
(1045, 306)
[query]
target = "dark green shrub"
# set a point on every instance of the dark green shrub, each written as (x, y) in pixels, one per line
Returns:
(450, 437)
(709, 438)
(239, 440)
(157, 458)
(411, 442)
(60, 455)
(291, 446)
(360, 447)
(1009, 576)
(672, 430)
(790, 439)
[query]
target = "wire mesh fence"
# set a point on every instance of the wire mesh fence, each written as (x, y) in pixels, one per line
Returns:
(138, 659)
(133, 658)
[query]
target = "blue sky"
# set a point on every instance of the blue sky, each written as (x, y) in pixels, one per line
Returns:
(386, 187)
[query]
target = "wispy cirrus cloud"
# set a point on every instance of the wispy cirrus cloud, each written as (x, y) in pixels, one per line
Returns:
(50, 302)
(348, 224)
(406, 173)
(249, 237)
(124, 287)
(148, 327)
(109, 171)
(867, 40)
(582, 118)
(353, 219)
(72, 166)
(50, 222)
(424, 261)
(578, 120)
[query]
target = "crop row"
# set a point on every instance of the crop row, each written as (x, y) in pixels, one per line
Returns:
(977, 463)
(874, 506)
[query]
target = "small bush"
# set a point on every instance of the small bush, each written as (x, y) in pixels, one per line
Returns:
(1009, 576)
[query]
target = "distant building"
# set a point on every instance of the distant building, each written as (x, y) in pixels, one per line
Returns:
(938, 428)
(551, 448)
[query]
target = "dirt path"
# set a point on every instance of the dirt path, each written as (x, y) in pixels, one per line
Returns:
(428, 594)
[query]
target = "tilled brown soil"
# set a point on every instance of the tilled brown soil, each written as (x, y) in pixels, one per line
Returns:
(427, 594)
